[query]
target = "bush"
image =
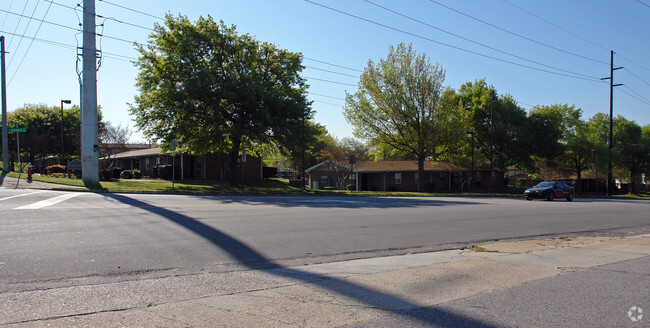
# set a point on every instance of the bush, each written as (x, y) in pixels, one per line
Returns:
(351, 187)
(50, 170)
(106, 175)
(115, 172)
(126, 174)
(137, 174)
(165, 172)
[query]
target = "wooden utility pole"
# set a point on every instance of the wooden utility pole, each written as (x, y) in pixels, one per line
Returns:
(610, 142)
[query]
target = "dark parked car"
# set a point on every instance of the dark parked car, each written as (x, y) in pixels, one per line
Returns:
(550, 190)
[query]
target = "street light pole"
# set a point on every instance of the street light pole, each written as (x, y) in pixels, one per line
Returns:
(62, 102)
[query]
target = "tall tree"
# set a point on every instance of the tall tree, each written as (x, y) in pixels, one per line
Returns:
(398, 106)
(575, 146)
(631, 149)
(217, 91)
(43, 136)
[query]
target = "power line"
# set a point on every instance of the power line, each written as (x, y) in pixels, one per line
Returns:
(77, 8)
(519, 35)
(639, 96)
(335, 65)
(448, 45)
(555, 25)
(333, 72)
(133, 10)
(69, 46)
(30, 45)
(643, 3)
(326, 96)
(18, 24)
(477, 43)
(640, 79)
(5, 20)
(329, 81)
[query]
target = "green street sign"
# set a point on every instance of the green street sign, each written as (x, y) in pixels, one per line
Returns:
(17, 129)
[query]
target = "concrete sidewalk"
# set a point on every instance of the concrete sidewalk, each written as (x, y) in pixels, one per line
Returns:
(409, 290)
(22, 183)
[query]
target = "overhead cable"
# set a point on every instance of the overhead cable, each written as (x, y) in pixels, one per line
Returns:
(448, 45)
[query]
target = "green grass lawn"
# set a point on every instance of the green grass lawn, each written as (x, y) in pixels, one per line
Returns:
(265, 187)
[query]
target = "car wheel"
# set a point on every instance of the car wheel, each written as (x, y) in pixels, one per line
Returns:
(570, 197)
(550, 196)
(529, 198)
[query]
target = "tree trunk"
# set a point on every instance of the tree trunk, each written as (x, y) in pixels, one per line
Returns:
(579, 186)
(421, 173)
(234, 156)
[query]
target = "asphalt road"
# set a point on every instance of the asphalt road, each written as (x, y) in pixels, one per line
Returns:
(55, 238)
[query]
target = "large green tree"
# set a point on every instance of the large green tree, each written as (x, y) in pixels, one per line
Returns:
(215, 90)
(398, 107)
(501, 128)
(631, 150)
(43, 136)
(576, 142)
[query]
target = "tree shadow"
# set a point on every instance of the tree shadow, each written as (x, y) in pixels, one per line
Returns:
(252, 259)
(336, 201)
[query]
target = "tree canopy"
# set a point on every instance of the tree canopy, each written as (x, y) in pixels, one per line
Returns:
(215, 90)
(398, 106)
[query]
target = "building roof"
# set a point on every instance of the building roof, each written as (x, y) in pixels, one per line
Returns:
(396, 166)
(404, 166)
(148, 152)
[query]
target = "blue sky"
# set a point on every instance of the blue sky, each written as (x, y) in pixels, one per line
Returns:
(528, 40)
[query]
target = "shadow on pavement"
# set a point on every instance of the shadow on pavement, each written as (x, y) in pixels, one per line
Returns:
(337, 202)
(254, 260)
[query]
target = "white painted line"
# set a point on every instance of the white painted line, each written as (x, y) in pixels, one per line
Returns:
(31, 193)
(48, 202)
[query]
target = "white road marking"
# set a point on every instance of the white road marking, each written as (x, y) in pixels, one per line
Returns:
(31, 193)
(48, 202)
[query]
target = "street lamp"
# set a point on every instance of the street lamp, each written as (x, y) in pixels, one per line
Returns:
(62, 102)
(471, 181)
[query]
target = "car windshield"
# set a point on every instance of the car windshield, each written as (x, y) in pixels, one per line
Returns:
(545, 184)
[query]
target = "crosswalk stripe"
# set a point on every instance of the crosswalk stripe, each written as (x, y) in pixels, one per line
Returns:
(31, 193)
(48, 202)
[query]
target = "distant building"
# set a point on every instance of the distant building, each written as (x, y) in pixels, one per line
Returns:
(206, 167)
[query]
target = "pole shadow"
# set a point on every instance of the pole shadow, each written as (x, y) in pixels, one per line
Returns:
(250, 258)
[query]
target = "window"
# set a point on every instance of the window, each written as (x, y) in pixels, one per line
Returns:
(146, 164)
(398, 178)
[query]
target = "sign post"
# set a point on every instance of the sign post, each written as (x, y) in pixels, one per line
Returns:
(18, 130)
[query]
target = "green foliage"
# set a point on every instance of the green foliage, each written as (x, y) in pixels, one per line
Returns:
(398, 107)
(43, 136)
(217, 91)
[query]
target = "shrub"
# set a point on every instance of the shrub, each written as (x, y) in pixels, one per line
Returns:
(126, 174)
(165, 172)
(115, 172)
(50, 170)
(106, 175)
(137, 174)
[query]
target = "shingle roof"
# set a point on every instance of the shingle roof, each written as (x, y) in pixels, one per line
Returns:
(139, 153)
(403, 166)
